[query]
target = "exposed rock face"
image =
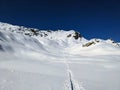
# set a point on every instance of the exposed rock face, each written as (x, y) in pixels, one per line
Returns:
(111, 40)
(35, 32)
(69, 35)
(94, 41)
(77, 35)
(1, 48)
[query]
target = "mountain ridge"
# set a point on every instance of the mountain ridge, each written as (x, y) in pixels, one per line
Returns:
(13, 36)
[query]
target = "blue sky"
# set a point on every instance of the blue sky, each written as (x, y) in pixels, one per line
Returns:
(92, 18)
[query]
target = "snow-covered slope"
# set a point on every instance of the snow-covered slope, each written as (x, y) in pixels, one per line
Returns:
(19, 39)
(32, 59)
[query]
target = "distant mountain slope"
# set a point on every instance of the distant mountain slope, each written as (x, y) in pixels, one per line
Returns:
(19, 39)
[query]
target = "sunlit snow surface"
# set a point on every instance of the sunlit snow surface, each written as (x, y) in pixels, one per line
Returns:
(56, 62)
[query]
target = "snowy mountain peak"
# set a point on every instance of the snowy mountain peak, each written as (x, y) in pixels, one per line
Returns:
(58, 34)
(19, 39)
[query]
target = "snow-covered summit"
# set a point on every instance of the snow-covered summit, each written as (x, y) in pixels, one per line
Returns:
(58, 34)
(20, 39)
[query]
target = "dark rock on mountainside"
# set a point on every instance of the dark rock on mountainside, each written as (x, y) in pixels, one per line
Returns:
(69, 35)
(1, 48)
(35, 32)
(88, 44)
(77, 35)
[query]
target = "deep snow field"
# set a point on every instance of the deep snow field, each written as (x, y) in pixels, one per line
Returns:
(55, 60)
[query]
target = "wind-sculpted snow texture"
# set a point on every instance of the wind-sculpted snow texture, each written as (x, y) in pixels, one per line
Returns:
(32, 59)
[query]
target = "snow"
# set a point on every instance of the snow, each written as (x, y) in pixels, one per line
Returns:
(53, 61)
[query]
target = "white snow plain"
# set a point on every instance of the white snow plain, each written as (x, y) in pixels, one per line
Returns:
(56, 62)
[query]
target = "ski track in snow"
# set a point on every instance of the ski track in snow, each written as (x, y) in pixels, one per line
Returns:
(71, 83)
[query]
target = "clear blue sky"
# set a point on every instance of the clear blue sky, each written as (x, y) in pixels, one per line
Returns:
(92, 18)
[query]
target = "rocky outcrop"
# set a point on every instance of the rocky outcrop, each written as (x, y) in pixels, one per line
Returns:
(1, 48)
(88, 44)
(77, 35)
